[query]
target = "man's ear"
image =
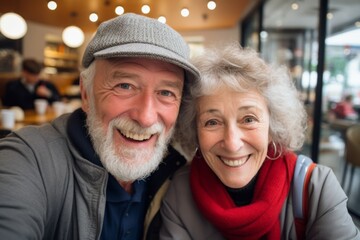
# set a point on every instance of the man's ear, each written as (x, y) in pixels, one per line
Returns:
(84, 97)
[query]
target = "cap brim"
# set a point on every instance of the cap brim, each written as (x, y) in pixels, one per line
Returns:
(149, 51)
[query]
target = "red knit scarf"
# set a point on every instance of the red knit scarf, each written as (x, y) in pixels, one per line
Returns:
(259, 219)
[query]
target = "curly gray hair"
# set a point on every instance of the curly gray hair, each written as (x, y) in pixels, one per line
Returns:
(242, 69)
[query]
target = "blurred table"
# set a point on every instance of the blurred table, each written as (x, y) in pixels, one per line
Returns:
(32, 118)
(342, 125)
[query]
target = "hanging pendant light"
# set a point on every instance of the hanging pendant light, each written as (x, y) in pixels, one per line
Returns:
(162, 19)
(145, 9)
(73, 36)
(52, 5)
(185, 12)
(211, 5)
(12, 25)
(119, 10)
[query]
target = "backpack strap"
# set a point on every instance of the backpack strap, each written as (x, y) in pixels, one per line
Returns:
(302, 174)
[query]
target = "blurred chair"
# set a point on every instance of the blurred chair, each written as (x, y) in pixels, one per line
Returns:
(352, 153)
(4, 132)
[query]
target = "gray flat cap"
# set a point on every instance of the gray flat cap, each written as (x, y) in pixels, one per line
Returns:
(132, 35)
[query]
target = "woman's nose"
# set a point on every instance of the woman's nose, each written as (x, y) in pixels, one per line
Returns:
(233, 139)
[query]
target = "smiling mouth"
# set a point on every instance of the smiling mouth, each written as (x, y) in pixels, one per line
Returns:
(235, 162)
(135, 136)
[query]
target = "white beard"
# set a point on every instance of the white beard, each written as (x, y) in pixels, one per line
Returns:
(126, 164)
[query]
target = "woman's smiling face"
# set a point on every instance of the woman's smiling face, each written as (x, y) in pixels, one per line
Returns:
(233, 133)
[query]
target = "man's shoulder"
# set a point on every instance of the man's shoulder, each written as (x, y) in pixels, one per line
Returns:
(43, 134)
(13, 83)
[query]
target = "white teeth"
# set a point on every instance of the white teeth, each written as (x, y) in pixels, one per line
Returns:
(234, 163)
(136, 136)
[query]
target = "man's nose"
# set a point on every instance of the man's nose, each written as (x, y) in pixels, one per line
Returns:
(146, 110)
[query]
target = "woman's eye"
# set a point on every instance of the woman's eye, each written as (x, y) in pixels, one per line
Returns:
(211, 122)
(249, 120)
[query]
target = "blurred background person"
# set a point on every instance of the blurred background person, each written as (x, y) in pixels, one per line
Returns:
(345, 109)
(22, 92)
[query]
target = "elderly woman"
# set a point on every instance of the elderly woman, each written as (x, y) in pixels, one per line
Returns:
(246, 120)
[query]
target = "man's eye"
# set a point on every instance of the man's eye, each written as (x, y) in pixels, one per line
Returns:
(124, 85)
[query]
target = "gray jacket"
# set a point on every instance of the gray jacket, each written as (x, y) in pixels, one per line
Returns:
(328, 215)
(49, 191)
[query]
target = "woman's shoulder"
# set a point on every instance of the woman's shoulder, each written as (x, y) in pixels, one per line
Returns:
(181, 177)
(328, 206)
(325, 189)
(179, 191)
(323, 173)
(183, 172)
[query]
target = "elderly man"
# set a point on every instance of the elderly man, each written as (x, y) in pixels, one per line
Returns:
(100, 172)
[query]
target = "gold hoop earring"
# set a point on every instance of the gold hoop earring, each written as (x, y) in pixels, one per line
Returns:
(275, 151)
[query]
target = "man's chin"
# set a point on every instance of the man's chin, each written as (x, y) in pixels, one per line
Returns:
(133, 165)
(135, 172)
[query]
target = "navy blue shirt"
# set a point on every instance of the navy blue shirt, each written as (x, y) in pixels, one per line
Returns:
(124, 212)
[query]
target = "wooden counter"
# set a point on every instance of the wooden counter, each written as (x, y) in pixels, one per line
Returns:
(32, 118)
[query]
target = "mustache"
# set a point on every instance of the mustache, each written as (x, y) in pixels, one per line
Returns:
(127, 126)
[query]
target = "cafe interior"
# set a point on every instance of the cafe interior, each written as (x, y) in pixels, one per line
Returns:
(319, 42)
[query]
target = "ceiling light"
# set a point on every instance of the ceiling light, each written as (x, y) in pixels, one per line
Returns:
(162, 19)
(52, 5)
(73, 36)
(119, 10)
(295, 6)
(185, 12)
(211, 5)
(145, 9)
(93, 17)
(12, 25)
